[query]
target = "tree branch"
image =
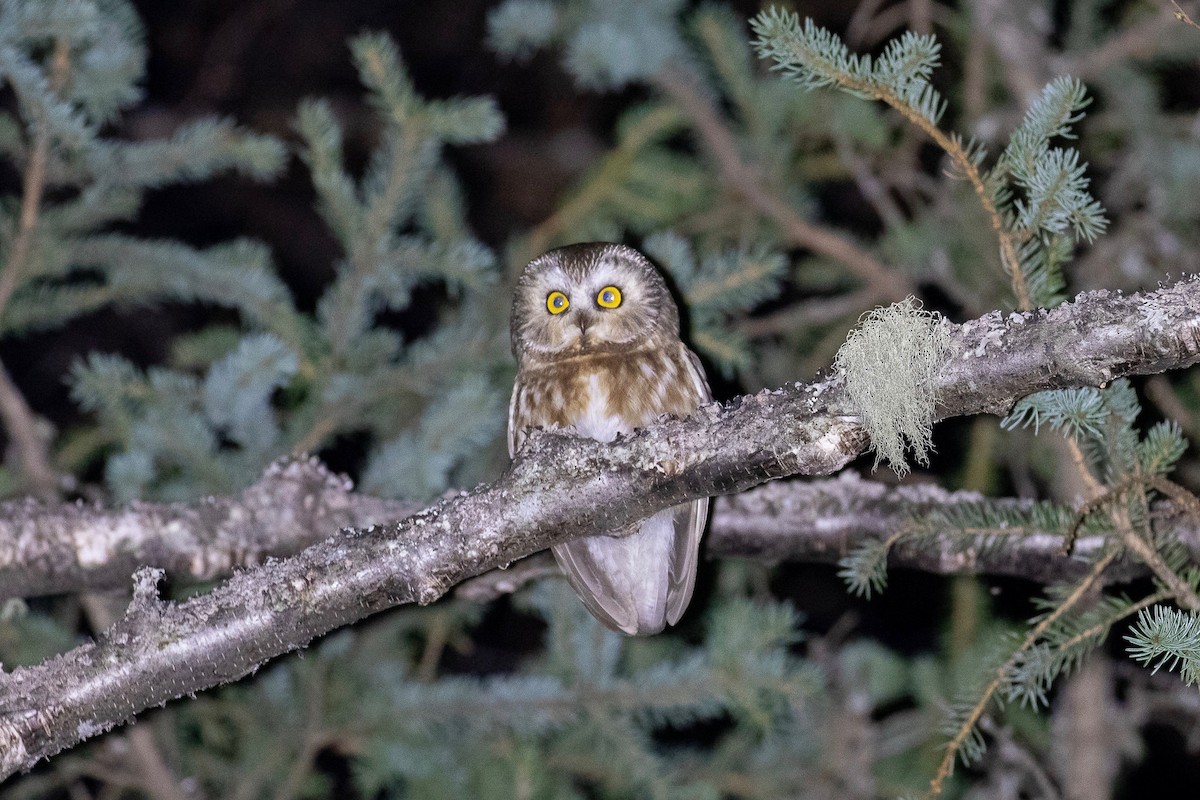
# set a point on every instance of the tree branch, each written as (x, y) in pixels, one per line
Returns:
(822, 521)
(559, 488)
(72, 548)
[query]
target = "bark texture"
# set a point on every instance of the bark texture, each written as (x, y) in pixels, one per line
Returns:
(73, 547)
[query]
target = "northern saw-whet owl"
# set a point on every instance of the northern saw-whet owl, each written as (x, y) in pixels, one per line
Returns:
(596, 337)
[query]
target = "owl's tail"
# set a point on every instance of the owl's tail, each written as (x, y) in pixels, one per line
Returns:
(637, 584)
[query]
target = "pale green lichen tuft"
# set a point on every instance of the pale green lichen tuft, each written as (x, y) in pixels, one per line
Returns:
(890, 362)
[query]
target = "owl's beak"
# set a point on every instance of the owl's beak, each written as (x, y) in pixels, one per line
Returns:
(582, 321)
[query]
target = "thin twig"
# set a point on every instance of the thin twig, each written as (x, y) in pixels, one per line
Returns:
(313, 740)
(1016, 42)
(436, 639)
(860, 22)
(1087, 745)
(1020, 757)
(1183, 17)
(975, 78)
(301, 766)
(920, 16)
(1141, 542)
(1098, 500)
(898, 15)
(1160, 392)
(32, 453)
(314, 437)
(946, 767)
(19, 419)
(1182, 593)
(1106, 624)
(1094, 488)
(497, 583)
(813, 312)
(869, 184)
(78, 791)
(1135, 542)
(33, 186)
(1186, 500)
(1140, 40)
(747, 180)
(963, 162)
(218, 71)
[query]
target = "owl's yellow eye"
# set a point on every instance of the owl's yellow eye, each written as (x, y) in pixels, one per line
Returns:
(557, 302)
(609, 297)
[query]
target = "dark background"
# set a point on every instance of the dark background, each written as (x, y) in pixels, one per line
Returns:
(254, 60)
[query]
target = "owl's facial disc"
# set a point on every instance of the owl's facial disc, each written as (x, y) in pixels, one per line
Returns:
(581, 318)
(586, 299)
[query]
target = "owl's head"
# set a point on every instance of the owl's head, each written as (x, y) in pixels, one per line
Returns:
(590, 298)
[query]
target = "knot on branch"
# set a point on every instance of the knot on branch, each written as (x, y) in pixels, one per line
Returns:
(146, 603)
(305, 477)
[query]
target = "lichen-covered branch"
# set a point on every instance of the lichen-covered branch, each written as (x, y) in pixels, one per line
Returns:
(821, 521)
(72, 547)
(560, 487)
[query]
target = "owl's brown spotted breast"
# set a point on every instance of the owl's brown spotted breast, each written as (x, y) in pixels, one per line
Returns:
(632, 389)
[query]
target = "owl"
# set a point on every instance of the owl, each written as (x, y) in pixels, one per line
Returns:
(596, 337)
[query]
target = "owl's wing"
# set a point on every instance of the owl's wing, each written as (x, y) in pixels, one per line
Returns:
(623, 580)
(689, 520)
(516, 432)
(696, 375)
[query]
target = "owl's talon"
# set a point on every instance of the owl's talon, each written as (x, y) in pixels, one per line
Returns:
(668, 468)
(624, 531)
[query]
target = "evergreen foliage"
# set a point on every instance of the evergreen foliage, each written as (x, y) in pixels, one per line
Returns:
(591, 705)
(73, 66)
(715, 287)
(1034, 193)
(739, 701)
(816, 58)
(606, 43)
(295, 380)
(1169, 638)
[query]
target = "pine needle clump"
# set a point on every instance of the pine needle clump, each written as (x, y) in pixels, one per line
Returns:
(1035, 196)
(1169, 637)
(717, 286)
